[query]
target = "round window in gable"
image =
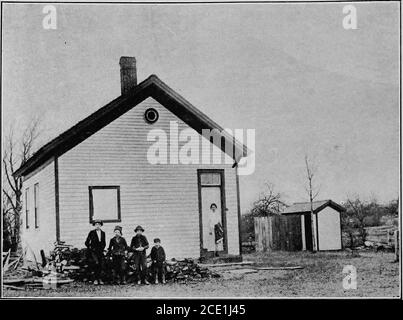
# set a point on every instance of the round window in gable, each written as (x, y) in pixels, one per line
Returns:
(151, 115)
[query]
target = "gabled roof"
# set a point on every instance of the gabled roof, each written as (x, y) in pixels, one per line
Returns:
(304, 207)
(151, 87)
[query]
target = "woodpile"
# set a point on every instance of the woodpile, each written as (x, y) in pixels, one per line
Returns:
(52, 272)
(67, 264)
(187, 270)
(70, 261)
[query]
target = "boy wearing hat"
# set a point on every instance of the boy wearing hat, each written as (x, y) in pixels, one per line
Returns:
(96, 243)
(139, 245)
(158, 259)
(118, 250)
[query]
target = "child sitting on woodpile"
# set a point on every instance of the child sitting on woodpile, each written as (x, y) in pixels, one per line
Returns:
(158, 260)
(118, 250)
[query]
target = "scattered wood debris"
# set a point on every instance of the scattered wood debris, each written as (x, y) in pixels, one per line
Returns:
(12, 287)
(243, 271)
(67, 264)
(279, 268)
(5, 260)
(244, 263)
(237, 273)
(187, 269)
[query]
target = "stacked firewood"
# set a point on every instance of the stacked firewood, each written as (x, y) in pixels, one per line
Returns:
(67, 264)
(70, 261)
(187, 270)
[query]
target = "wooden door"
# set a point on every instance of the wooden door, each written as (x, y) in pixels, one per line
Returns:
(308, 231)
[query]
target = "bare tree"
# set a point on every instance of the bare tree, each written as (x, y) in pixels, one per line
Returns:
(313, 191)
(7, 221)
(269, 202)
(15, 153)
(393, 207)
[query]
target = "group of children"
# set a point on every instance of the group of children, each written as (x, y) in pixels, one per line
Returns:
(119, 250)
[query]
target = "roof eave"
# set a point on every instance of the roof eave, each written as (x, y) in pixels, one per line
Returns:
(151, 87)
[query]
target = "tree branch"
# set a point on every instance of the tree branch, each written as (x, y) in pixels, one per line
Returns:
(12, 186)
(10, 200)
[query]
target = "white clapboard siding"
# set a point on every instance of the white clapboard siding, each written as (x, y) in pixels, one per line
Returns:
(35, 239)
(161, 198)
(329, 229)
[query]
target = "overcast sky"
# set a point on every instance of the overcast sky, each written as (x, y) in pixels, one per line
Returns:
(290, 71)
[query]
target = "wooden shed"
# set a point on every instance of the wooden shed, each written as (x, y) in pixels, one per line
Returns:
(101, 169)
(326, 224)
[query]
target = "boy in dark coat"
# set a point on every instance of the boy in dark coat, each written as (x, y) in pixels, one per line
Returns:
(118, 250)
(158, 259)
(139, 245)
(96, 244)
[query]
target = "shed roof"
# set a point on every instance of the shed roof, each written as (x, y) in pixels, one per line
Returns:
(304, 207)
(151, 87)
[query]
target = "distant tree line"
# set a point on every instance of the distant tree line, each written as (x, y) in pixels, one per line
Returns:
(362, 214)
(359, 213)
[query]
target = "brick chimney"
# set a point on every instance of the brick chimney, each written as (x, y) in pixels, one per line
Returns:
(128, 75)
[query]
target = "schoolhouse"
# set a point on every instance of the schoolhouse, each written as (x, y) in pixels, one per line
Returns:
(113, 166)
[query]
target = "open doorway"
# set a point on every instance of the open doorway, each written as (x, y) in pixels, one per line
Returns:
(213, 233)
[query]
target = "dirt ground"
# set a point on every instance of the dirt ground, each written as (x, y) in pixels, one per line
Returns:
(321, 276)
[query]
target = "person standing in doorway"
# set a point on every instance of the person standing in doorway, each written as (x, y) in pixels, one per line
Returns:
(216, 229)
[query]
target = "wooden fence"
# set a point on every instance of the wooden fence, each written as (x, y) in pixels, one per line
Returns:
(381, 234)
(278, 233)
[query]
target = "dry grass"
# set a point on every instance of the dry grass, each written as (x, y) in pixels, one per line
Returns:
(322, 276)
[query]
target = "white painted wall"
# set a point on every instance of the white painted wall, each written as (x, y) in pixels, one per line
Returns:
(303, 232)
(35, 239)
(161, 198)
(314, 230)
(329, 229)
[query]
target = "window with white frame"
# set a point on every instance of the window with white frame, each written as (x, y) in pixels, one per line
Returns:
(27, 208)
(36, 205)
(104, 203)
(210, 179)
